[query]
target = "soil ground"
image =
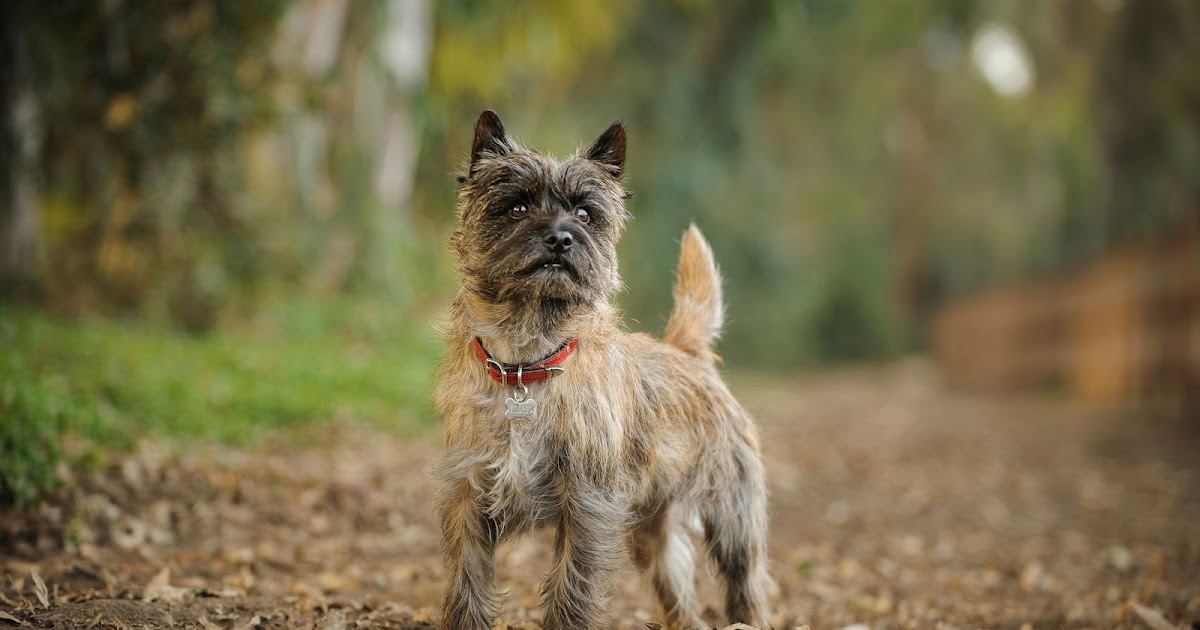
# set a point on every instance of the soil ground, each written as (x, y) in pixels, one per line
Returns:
(896, 504)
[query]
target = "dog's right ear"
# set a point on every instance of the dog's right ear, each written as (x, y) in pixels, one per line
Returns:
(489, 136)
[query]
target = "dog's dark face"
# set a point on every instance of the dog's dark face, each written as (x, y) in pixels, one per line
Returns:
(535, 229)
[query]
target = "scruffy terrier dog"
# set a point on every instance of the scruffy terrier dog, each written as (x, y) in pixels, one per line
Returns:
(555, 416)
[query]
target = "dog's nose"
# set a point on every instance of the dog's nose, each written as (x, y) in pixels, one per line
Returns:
(558, 241)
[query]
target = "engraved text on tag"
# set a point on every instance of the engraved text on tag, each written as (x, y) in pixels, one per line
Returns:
(520, 408)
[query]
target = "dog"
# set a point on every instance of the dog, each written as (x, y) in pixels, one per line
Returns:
(557, 417)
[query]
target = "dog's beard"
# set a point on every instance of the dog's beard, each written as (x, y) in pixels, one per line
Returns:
(566, 277)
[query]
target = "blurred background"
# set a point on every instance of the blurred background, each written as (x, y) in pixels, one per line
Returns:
(222, 216)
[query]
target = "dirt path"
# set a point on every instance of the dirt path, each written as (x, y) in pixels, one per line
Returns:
(896, 505)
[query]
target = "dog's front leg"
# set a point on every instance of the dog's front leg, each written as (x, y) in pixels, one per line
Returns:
(469, 539)
(587, 545)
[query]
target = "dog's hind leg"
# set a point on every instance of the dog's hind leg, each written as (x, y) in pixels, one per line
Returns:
(735, 530)
(663, 551)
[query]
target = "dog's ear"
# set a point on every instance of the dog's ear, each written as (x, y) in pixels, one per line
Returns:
(489, 136)
(609, 149)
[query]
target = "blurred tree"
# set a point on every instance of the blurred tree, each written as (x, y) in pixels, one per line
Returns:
(19, 146)
(1148, 95)
(852, 162)
(1148, 102)
(138, 108)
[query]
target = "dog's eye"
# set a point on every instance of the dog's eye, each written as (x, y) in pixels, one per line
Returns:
(582, 215)
(518, 212)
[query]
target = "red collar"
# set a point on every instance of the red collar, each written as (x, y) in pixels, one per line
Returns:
(518, 374)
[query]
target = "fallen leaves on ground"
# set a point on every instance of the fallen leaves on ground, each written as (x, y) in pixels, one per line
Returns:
(1153, 618)
(895, 504)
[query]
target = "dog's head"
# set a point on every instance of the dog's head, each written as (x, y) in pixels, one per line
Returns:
(532, 228)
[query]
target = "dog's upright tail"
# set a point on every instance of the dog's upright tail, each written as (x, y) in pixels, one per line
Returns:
(696, 320)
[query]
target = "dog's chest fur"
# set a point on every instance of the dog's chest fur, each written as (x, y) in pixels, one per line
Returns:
(525, 454)
(522, 463)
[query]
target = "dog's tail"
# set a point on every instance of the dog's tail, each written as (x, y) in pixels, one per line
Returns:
(696, 321)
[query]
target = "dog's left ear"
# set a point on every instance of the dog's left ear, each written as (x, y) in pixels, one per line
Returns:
(489, 136)
(609, 149)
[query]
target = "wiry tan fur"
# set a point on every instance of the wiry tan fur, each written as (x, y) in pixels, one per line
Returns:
(634, 442)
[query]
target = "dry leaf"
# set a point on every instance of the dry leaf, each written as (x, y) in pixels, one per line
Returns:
(160, 579)
(128, 534)
(208, 625)
(300, 589)
(333, 620)
(255, 622)
(654, 626)
(95, 621)
(39, 589)
(739, 626)
(7, 617)
(1153, 618)
(204, 591)
(159, 588)
(335, 582)
(425, 614)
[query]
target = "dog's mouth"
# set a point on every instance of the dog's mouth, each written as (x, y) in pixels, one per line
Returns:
(553, 266)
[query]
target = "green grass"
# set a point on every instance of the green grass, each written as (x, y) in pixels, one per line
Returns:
(112, 383)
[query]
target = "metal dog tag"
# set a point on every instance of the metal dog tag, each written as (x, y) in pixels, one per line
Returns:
(524, 408)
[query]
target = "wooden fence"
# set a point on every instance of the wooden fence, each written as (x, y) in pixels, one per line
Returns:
(1125, 328)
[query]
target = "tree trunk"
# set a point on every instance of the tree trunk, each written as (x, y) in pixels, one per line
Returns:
(19, 148)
